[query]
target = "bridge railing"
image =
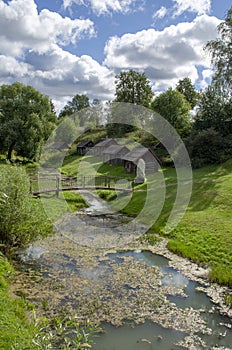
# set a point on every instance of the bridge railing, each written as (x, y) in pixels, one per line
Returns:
(57, 182)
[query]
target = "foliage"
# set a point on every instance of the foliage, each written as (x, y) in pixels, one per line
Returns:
(77, 103)
(214, 112)
(22, 219)
(186, 88)
(173, 106)
(16, 330)
(26, 120)
(65, 332)
(208, 147)
(221, 56)
(133, 87)
(66, 131)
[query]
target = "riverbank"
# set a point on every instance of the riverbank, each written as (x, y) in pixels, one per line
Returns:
(129, 284)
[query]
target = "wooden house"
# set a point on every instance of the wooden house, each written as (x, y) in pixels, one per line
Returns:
(148, 155)
(84, 146)
(114, 154)
(60, 146)
(101, 146)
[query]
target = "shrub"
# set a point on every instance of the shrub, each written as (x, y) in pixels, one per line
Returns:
(208, 147)
(22, 218)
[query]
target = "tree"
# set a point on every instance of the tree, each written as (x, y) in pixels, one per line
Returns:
(186, 88)
(173, 106)
(21, 218)
(208, 147)
(26, 120)
(77, 103)
(215, 112)
(221, 56)
(133, 87)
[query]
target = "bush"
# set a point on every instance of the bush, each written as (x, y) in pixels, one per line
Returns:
(208, 147)
(22, 218)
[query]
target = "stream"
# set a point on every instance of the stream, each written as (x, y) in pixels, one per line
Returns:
(140, 300)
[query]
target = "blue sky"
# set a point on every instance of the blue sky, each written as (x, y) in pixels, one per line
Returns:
(65, 47)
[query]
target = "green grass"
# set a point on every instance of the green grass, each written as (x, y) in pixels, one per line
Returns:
(204, 235)
(16, 330)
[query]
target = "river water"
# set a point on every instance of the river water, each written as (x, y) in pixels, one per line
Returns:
(139, 299)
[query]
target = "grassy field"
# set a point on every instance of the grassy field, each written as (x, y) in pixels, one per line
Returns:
(204, 235)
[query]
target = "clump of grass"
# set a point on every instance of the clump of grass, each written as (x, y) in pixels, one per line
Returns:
(107, 195)
(228, 299)
(16, 330)
(149, 238)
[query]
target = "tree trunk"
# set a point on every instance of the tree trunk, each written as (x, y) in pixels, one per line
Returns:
(10, 150)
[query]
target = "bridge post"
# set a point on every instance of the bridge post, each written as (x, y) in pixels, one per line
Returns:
(57, 186)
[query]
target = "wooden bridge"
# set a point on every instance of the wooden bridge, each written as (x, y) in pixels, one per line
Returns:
(59, 183)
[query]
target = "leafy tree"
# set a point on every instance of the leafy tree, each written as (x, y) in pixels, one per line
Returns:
(186, 87)
(77, 103)
(221, 55)
(208, 147)
(173, 106)
(133, 87)
(21, 218)
(215, 112)
(26, 120)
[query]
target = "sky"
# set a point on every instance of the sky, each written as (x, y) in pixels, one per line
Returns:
(68, 47)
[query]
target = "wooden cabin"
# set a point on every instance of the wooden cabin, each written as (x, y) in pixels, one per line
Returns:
(84, 146)
(114, 154)
(148, 155)
(60, 146)
(101, 146)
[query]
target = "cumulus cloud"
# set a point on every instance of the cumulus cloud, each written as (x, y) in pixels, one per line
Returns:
(31, 52)
(22, 27)
(161, 13)
(101, 7)
(166, 56)
(197, 6)
(59, 74)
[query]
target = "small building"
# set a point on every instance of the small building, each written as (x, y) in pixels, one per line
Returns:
(101, 146)
(84, 146)
(114, 154)
(147, 154)
(59, 146)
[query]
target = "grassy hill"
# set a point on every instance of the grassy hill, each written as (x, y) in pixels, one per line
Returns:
(204, 235)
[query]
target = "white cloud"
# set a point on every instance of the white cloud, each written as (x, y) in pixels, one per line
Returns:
(31, 52)
(22, 27)
(59, 74)
(207, 75)
(165, 56)
(101, 7)
(161, 13)
(197, 6)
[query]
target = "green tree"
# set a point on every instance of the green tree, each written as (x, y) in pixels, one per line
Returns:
(221, 55)
(77, 103)
(21, 218)
(133, 87)
(173, 106)
(26, 120)
(215, 112)
(186, 88)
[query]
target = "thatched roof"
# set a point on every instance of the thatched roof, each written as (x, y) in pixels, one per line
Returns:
(139, 152)
(60, 146)
(105, 142)
(84, 143)
(114, 149)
